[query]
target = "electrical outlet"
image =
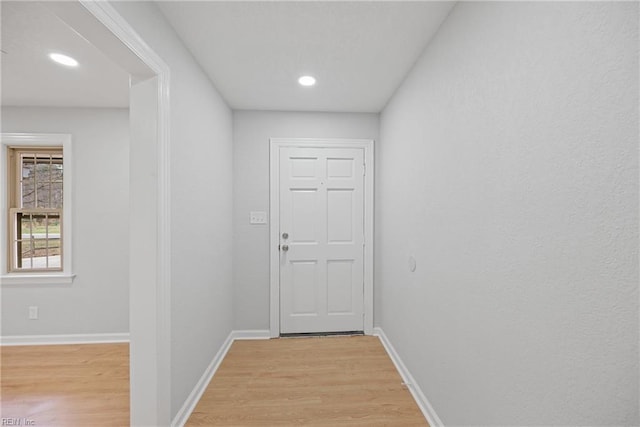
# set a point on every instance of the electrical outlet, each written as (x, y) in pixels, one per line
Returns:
(33, 312)
(257, 217)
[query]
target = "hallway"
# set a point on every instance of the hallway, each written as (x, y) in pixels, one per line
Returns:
(323, 381)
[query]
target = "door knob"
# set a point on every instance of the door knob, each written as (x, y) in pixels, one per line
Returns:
(285, 247)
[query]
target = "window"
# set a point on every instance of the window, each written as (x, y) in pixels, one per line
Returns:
(36, 209)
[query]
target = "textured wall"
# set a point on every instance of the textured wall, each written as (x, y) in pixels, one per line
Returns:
(252, 130)
(508, 166)
(98, 299)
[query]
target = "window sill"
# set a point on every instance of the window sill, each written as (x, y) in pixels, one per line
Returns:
(37, 279)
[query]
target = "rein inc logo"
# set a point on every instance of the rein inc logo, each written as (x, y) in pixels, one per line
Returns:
(17, 422)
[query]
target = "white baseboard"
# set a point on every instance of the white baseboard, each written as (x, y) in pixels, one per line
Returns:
(194, 397)
(64, 339)
(251, 334)
(424, 405)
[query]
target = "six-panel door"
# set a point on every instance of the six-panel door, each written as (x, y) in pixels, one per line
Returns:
(322, 256)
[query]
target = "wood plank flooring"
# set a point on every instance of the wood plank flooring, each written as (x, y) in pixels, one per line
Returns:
(65, 385)
(329, 381)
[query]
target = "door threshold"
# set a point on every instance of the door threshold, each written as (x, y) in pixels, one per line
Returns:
(321, 334)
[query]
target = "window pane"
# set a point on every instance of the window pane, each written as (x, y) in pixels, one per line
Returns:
(41, 180)
(54, 253)
(25, 253)
(53, 226)
(56, 172)
(42, 183)
(28, 188)
(42, 194)
(38, 241)
(56, 195)
(27, 226)
(39, 253)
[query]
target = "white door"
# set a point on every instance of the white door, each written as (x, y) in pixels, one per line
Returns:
(321, 239)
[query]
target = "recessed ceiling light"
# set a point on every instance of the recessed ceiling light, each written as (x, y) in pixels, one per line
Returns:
(307, 80)
(63, 59)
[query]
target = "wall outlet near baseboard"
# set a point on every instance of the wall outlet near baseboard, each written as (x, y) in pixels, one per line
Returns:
(33, 312)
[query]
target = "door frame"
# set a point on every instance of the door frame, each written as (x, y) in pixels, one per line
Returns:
(150, 151)
(274, 213)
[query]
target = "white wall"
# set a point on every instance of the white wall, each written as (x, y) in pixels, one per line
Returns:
(252, 130)
(508, 166)
(201, 200)
(98, 299)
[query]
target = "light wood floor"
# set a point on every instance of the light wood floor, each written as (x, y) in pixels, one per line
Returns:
(307, 381)
(299, 381)
(66, 385)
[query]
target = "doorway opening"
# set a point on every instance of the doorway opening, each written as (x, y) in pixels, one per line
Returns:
(149, 239)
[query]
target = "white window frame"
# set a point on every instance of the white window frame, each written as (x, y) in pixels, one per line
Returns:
(25, 140)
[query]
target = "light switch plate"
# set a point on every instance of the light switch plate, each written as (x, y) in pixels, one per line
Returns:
(258, 218)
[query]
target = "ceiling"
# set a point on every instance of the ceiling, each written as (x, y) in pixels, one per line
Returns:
(30, 31)
(358, 51)
(252, 51)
